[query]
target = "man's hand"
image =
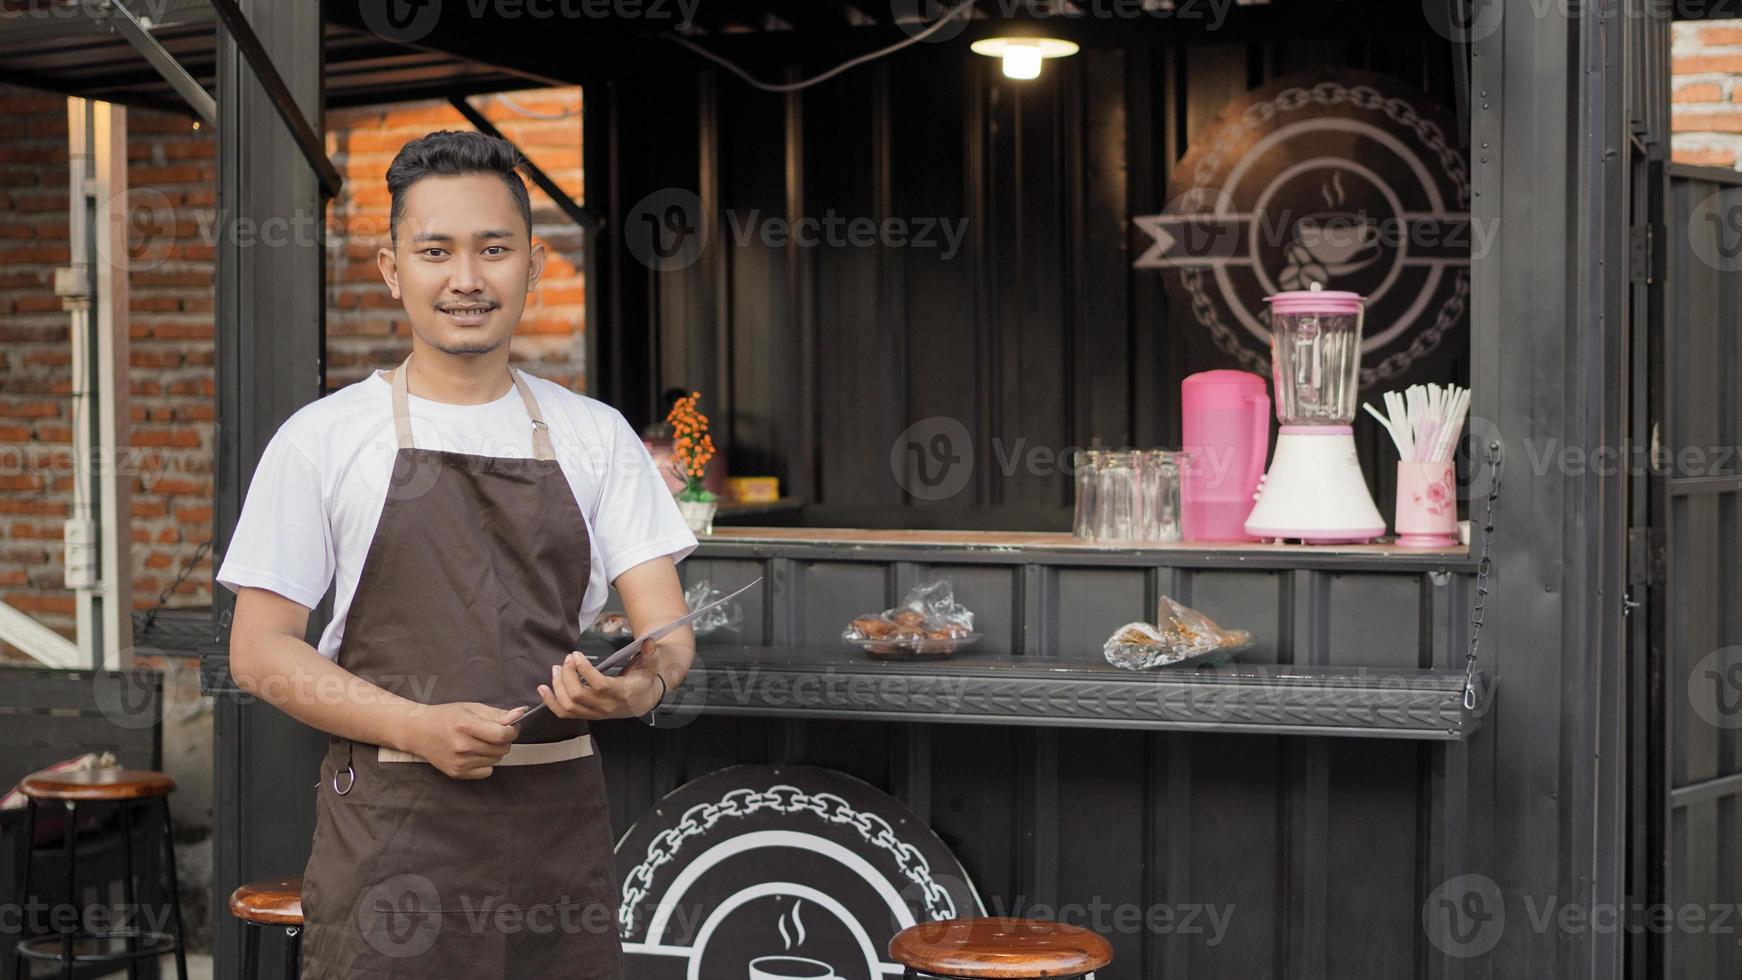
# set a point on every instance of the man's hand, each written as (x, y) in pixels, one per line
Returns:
(578, 690)
(463, 739)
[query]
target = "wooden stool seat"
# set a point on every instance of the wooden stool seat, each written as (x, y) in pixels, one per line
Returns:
(994, 948)
(97, 785)
(273, 903)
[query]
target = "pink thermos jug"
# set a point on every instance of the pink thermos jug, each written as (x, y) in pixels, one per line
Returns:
(1225, 423)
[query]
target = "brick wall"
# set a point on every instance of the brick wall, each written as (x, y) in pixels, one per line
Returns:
(1706, 91)
(170, 170)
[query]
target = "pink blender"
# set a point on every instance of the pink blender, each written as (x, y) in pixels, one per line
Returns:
(1225, 422)
(1315, 492)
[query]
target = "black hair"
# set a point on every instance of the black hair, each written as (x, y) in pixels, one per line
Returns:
(452, 153)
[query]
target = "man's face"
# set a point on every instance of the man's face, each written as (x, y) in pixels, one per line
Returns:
(462, 263)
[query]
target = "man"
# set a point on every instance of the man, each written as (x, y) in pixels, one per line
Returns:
(472, 518)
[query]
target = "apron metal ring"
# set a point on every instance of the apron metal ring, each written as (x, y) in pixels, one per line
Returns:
(347, 771)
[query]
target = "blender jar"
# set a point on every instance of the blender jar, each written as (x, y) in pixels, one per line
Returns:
(1315, 355)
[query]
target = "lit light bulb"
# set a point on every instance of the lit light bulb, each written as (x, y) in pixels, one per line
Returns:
(1021, 56)
(1021, 60)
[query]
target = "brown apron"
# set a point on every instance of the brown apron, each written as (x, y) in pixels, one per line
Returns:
(470, 592)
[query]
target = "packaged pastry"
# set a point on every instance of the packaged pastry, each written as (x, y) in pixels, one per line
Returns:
(1181, 636)
(927, 623)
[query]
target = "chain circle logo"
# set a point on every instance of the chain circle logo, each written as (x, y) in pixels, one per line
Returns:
(400, 916)
(664, 231)
(403, 21)
(1465, 917)
(1347, 183)
(933, 458)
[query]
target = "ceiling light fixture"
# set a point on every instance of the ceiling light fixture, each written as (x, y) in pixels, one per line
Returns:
(1022, 55)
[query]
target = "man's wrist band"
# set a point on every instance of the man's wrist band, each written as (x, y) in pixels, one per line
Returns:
(652, 713)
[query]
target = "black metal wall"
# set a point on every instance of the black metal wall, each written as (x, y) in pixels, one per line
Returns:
(1701, 853)
(1037, 333)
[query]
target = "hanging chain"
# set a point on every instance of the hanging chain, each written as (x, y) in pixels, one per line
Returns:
(1479, 609)
(168, 590)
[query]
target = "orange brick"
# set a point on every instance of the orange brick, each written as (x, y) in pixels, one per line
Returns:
(40, 201)
(145, 509)
(35, 254)
(38, 304)
(141, 357)
(29, 410)
(181, 174)
(193, 515)
(1695, 63)
(170, 485)
(182, 331)
(179, 437)
(36, 602)
(1714, 36)
(1707, 122)
(1700, 92)
(1704, 157)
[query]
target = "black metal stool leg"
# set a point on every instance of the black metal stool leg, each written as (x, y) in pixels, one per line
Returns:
(72, 854)
(181, 962)
(133, 918)
(18, 964)
(292, 952)
(250, 951)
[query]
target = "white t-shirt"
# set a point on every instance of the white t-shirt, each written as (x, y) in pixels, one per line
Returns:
(318, 492)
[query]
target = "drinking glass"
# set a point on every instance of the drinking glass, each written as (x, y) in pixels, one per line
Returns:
(1119, 497)
(1160, 471)
(1087, 473)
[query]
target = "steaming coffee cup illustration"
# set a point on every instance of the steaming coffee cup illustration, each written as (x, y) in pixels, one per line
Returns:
(1341, 242)
(1329, 245)
(790, 968)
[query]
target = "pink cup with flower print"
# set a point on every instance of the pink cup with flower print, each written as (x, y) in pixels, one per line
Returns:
(1427, 505)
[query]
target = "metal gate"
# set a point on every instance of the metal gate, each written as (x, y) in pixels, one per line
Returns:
(1687, 557)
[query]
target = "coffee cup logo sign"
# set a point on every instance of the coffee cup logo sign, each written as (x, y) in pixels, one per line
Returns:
(780, 873)
(1350, 183)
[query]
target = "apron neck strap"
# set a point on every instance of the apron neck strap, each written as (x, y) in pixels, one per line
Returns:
(541, 444)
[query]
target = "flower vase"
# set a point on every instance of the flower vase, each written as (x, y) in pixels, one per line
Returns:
(698, 514)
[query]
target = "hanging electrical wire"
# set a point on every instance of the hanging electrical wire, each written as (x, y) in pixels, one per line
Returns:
(805, 83)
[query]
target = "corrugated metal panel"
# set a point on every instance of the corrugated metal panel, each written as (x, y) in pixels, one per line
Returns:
(1702, 689)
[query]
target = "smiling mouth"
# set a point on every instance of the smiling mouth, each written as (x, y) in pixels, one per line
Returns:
(472, 313)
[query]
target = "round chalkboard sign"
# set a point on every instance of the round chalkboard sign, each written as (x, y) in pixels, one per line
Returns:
(780, 873)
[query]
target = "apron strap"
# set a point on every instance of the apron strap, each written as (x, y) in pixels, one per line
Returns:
(541, 444)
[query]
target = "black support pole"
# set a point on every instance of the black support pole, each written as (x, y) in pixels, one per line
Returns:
(269, 362)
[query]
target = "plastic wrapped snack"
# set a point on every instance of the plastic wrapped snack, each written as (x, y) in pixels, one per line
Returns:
(927, 623)
(726, 616)
(1181, 636)
(614, 627)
